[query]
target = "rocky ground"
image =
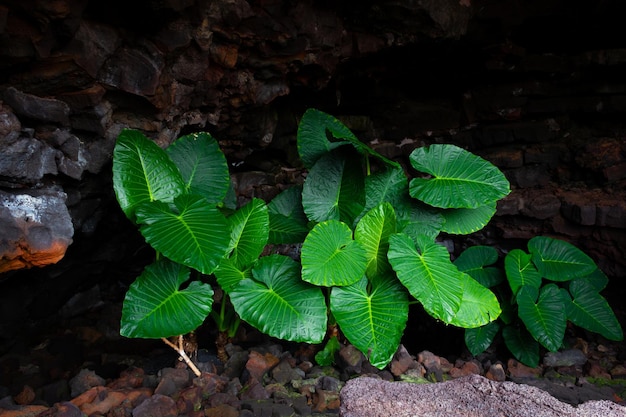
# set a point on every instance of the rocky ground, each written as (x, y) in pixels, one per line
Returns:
(76, 364)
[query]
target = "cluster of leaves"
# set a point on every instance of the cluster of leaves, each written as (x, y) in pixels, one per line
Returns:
(368, 238)
(540, 292)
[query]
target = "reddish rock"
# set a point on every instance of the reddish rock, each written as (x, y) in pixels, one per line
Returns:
(222, 410)
(37, 229)
(26, 411)
(496, 372)
(259, 364)
(519, 370)
(98, 400)
(466, 368)
(325, 401)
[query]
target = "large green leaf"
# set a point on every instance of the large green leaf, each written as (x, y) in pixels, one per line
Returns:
(156, 307)
(545, 318)
(288, 223)
(479, 305)
(372, 315)
(333, 190)
(202, 165)
(279, 304)
(416, 218)
(475, 262)
(522, 345)
(460, 179)
(478, 339)
(372, 232)
(597, 278)
(330, 256)
(520, 271)
(590, 310)
(463, 221)
(424, 268)
(229, 275)
(249, 232)
(190, 232)
(142, 172)
(319, 133)
(387, 185)
(558, 260)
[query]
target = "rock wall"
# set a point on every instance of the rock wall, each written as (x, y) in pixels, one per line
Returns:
(536, 88)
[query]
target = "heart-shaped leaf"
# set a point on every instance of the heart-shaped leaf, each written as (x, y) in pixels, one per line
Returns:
(319, 133)
(544, 318)
(202, 165)
(333, 190)
(190, 232)
(475, 262)
(330, 256)
(479, 305)
(463, 221)
(460, 179)
(142, 172)
(288, 223)
(372, 232)
(424, 268)
(520, 271)
(558, 260)
(249, 232)
(156, 307)
(522, 345)
(590, 310)
(279, 304)
(229, 275)
(478, 339)
(372, 317)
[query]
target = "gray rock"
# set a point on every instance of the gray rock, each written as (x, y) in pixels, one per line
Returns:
(569, 357)
(36, 229)
(156, 406)
(471, 396)
(83, 381)
(37, 108)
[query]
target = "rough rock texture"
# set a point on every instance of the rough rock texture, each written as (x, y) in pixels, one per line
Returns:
(36, 229)
(471, 396)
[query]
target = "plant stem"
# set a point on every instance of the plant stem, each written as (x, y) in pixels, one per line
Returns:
(182, 354)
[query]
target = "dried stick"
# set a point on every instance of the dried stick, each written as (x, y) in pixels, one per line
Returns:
(182, 354)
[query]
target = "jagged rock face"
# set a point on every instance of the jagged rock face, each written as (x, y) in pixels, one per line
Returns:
(492, 79)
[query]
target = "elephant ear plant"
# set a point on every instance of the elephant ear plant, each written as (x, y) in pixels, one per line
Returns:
(367, 234)
(540, 291)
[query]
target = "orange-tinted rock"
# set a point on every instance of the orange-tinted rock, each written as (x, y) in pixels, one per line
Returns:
(37, 229)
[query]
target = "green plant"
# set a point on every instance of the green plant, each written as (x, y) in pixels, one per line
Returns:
(540, 292)
(368, 239)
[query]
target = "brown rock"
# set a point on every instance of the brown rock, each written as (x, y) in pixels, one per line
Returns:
(402, 361)
(134, 70)
(467, 368)
(25, 396)
(26, 411)
(98, 400)
(496, 372)
(259, 364)
(519, 370)
(222, 410)
(37, 229)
